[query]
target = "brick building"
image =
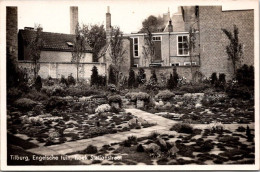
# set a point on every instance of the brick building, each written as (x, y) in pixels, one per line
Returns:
(171, 45)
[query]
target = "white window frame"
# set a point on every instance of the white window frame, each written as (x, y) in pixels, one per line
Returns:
(193, 63)
(178, 45)
(157, 39)
(137, 47)
(135, 65)
(175, 63)
(187, 63)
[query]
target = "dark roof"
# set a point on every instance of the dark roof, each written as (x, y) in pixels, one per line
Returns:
(52, 41)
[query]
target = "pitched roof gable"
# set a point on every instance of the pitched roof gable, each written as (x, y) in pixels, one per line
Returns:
(52, 41)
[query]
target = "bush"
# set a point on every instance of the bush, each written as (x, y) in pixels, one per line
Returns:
(140, 148)
(165, 95)
(36, 96)
(50, 81)
(130, 140)
(235, 91)
(13, 93)
(38, 83)
(241, 129)
(153, 77)
(143, 96)
(63, 80)
(141, 77)
(131, 79)
(111, 87)
(90, 149)
(115, 99)
(55, 103)
(245, 75)
(198, 88)
(25, 103)
(182, 128)
(71, 80)
(94, 76)
(213, 78)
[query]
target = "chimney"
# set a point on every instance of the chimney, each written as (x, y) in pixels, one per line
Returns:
(108, 24)
(11, 33)
(170, 27)
(73, 19)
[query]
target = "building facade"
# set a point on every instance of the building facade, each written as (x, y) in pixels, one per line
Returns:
(193, 36)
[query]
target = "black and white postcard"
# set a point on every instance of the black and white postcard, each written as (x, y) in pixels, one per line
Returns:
(134, 85)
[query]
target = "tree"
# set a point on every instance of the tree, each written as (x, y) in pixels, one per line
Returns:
(35, 47)
(170, 83)
(112, 76)
(234, 49)
(175, 77)
(79, 47)
(154, 24)
(94, 77)
(191, 46)
(154, 77)
(96, 36)
(149, 47)
(117, 52)
(131, 79)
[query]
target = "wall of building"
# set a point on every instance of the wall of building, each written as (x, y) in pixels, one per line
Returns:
(11, 33)
(59, 56)
(56, 70)
(213, 41)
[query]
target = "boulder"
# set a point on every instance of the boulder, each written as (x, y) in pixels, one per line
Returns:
(153, 148)
(198, 105)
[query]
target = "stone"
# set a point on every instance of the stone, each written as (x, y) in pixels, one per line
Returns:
(152, 147)
(140, 104)
(198, 105)
(161, 103)
(231, 110)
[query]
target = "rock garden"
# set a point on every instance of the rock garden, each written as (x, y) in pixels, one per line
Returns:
(210, 122)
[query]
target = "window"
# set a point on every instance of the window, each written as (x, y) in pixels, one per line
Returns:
(135, 65)
(175, 64)
(188, 63)
(156, 38)
(135, 47)
(182, 47)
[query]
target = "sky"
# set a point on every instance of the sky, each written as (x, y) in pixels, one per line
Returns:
(54, 16)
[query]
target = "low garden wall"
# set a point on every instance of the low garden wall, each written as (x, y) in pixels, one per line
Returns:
(183, 71)
(56, 70)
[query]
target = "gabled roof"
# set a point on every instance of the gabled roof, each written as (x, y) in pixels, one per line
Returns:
(52, 41)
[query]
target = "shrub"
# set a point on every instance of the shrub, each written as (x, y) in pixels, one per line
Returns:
(114, 110)
(90, 150)
(245, 75)
(235, 91)
(55, 102)
(94, 76)
(241, 129)
(140, 148)
(165, 95)
(143, 96)
(115, 99)
(213, 78)
(131, 79)
(111, 87)
(25, 103)
(151, 85)
(50, 81)
(63, 80)
(103, 108)
(13, 93)
(222, 78)
(153, 76)
(71, 80)
(141, 77)
(182, 128)
(198, 88)
(38, 83)
(36, 96)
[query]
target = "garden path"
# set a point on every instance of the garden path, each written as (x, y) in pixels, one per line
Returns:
(163, 126)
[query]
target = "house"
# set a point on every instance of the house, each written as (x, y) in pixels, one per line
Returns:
(171, 47)
(56, 53)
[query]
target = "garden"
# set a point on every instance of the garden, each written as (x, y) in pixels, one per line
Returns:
(214, 119)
